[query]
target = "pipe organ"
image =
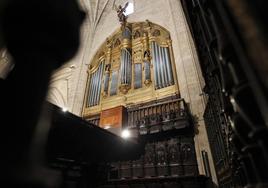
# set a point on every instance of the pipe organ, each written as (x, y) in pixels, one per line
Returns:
(135, 65)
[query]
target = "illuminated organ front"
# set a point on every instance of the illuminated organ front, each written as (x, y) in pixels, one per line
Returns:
(133, 66)
(132, 90)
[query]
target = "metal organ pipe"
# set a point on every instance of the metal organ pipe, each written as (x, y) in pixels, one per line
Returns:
(147, 70)
(128, 67)
(154, 63)
(97, 89)
(161, 66)
(97, 85)
(122, 66)
(125, 66)
(100, 82)
(163, 69)
(169, 67)
(102, 67)
(89, 91)
(158, 66)
(93, 89)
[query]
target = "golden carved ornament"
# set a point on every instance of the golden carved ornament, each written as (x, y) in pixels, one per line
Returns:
(124, 88)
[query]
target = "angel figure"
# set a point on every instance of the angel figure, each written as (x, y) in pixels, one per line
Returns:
(120, 13)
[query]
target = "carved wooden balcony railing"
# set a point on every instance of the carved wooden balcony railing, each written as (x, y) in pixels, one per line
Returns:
(157, 116)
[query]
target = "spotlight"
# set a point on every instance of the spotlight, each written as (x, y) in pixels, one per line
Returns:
(64, 109)
(125, 133)
(107, 127)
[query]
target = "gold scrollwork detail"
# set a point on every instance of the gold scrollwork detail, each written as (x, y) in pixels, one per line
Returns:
(148, 82)
(124, 88)
(156, 33)
(136, 34)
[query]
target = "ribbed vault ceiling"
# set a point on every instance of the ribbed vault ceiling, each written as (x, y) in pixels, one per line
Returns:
(98, 9)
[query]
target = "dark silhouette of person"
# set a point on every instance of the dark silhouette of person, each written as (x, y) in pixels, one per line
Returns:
(40, 36)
